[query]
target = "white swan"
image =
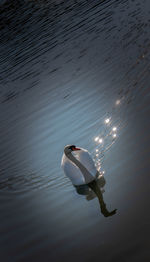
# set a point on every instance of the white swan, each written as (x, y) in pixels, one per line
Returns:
(78, 165)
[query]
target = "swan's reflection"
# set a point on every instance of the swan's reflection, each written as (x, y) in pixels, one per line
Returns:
(95, 189)
(87, 191)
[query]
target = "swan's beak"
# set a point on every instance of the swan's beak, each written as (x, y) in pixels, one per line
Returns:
(76, 148)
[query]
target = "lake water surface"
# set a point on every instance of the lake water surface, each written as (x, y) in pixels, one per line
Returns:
(66, 67)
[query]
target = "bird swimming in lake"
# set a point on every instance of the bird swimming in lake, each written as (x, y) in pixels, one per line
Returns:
(79, 167)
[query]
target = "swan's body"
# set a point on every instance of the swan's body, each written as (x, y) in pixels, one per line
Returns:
(78, 165)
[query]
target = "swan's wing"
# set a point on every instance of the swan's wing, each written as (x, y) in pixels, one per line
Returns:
(72, 171)
(85, 158)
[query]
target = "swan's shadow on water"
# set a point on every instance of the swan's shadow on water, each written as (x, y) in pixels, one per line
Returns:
(95, 189)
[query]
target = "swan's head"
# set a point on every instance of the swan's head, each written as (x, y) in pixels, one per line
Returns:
(69, 148)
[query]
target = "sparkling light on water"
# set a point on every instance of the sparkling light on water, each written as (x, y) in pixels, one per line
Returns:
(107, 120)
(114, 128)
(100, 140)
(117, 102)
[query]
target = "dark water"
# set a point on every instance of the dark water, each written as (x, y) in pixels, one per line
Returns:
(65, 67)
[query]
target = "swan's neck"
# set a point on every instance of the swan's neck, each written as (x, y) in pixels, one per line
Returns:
(87, 175)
